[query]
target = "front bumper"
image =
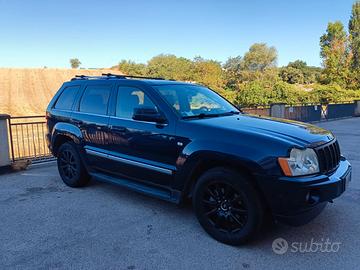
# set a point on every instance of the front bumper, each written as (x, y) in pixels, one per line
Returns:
(297, 200)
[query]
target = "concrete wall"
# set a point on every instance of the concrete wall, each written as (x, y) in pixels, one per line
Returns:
(4, 141)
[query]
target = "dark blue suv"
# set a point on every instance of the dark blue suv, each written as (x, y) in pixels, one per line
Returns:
(176, 140)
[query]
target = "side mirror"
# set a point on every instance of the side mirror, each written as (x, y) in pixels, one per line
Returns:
(148, 114)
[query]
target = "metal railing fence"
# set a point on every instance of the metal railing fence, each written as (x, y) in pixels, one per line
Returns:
(27, 138)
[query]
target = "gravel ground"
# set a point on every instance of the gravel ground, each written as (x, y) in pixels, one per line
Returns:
(47, 225)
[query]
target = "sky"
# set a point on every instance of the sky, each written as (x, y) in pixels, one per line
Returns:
(37, 33)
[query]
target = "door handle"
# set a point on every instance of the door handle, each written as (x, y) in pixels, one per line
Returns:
(77, 122)
(117, 129)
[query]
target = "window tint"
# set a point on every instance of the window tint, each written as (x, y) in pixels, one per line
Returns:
(95, 99)
(192, 100)
(130, 98)
(67, 98)
(199, 100)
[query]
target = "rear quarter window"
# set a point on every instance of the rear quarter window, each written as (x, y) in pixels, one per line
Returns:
(67, 98)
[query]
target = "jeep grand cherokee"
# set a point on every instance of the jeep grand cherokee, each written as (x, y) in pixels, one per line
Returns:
(176, 140)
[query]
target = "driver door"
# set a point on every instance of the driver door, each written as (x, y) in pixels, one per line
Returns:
(144, 151)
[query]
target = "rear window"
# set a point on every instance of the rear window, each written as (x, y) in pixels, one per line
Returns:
(67, 97)
(95, 99)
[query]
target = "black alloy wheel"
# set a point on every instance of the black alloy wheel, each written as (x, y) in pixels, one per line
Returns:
(225, 207)
(228, 206)
(70, 166)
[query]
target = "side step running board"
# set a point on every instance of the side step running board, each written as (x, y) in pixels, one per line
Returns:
(163, 194)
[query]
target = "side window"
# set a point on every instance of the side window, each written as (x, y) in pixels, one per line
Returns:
(67, 97)
(171, 97)
(130, 98)
(95, 99)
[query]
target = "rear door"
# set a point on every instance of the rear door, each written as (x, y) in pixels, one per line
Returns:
(91, 116)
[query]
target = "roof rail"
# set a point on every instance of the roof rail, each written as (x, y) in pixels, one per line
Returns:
(110, 75)
(131, 76)
(85, 77)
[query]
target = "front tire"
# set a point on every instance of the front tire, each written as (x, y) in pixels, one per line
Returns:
(70, 166)
(227, 206)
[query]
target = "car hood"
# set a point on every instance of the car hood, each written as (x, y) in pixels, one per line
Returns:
(294, 132)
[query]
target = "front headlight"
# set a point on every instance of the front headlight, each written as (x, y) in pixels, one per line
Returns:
(300, 162)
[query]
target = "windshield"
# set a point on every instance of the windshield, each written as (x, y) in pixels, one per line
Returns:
(192, 101)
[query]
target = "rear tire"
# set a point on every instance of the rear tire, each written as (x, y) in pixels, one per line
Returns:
(70, 166)
(227, 206)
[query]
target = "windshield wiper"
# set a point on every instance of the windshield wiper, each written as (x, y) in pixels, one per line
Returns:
(201, 115)
(230, 113)
(204, 115)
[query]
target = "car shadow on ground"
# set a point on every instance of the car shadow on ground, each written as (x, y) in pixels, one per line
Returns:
(270, 230)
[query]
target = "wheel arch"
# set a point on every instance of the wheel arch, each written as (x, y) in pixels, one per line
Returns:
(206, 160)
(62, 133)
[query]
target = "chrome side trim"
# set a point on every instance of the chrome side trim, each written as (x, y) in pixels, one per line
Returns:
(130, 162)
(96, 153)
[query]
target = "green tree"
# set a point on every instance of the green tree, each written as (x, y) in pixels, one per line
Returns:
(209, 73)
(129, 67)
(169, 66)
(291, 75)
(354, 40)
(234, 64)
(259, 57)
(263, 92)
(312, 74)
(75, 63)
(333, 93)
(298, 64)
(335, 54)
(232, 68)
(299, 72)
(354, 35)
(258, 63)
